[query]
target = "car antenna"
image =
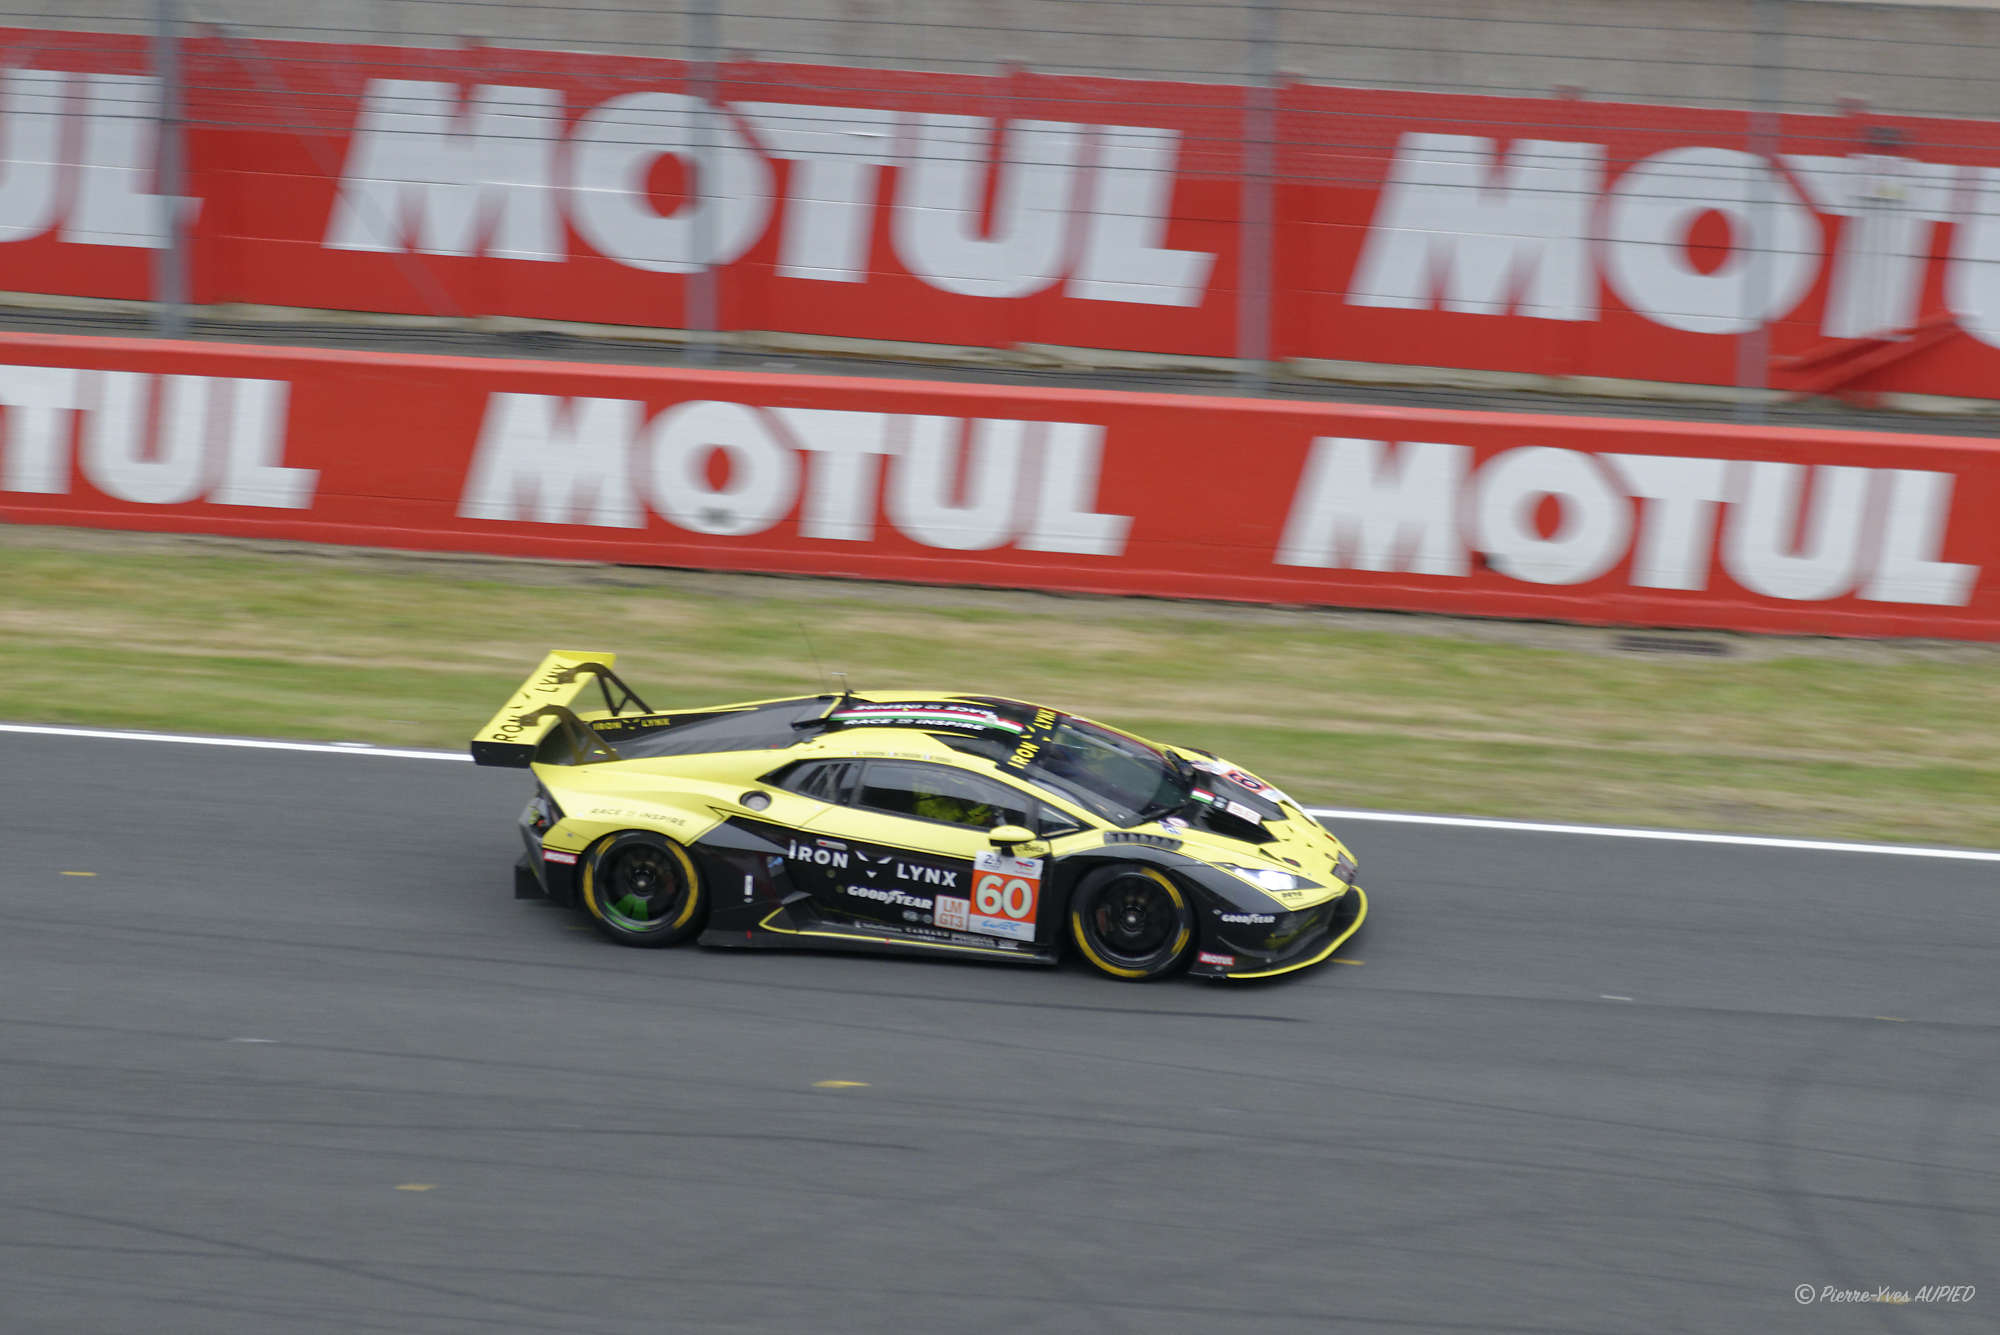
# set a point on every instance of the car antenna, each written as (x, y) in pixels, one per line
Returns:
(846, 691)
(818, 666)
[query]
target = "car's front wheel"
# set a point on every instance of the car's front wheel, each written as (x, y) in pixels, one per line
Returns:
(642, 889)
(1131, 922)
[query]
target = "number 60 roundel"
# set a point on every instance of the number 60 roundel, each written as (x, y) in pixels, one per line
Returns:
(1006, 891)
(995, 892)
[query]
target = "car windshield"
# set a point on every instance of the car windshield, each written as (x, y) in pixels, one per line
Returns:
(1118, 777)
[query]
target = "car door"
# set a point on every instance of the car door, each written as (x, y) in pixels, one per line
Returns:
(906, 851)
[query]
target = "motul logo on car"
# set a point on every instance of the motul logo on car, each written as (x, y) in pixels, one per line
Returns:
(1787, 530)
(951, 483)
(496, 173)
(150, 439)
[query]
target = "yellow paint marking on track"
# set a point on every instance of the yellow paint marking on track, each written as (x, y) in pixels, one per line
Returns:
(416, 1186)
(840, 1084)
(1342, 961)
(79, 873)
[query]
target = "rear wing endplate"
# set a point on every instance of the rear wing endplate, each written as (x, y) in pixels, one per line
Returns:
(546, 704)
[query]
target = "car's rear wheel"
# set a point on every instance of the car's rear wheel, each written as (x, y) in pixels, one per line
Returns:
(642, 889)
(1131, 922)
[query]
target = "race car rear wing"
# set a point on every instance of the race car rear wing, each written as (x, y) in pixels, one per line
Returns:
(545, 708)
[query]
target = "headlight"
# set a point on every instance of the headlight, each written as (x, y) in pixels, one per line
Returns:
(1344, 869)
(1269, 878)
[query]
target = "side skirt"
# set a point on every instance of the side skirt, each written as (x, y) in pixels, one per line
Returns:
(769, 935)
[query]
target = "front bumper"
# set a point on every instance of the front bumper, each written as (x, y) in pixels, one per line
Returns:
(1221, 959)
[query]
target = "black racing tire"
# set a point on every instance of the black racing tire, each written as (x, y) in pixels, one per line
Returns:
(1132, 922)
(642, 889)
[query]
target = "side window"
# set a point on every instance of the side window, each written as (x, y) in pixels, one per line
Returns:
(934, 792)
(1050, 821)
(826, 780)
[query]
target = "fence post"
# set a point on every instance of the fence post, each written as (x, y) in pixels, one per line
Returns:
(1256, 186)
(170, 262)
(699, 303)
(1753, 346)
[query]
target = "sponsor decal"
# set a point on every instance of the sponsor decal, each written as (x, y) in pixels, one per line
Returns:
(1243, 812)
(953, 912)
(632, 724)
(817, 856)
(1256, 918)
(876, 865)
(1210, 957)
(1172, 823)
(559, 856)
(1006, 892)
(1242, 778)
(926, 716)
(658, 815)
(957, 938)
(1031, 745)
(528, 699)
(894, 898)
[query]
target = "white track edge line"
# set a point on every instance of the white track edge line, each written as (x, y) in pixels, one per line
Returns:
(1335, 813)
(242, 743)
(1643, 832)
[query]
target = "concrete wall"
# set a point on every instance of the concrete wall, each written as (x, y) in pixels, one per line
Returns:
(1934, 58)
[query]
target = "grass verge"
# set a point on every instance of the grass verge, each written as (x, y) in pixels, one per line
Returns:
(1810, 737)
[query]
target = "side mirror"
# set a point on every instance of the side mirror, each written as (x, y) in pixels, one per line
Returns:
(1005, 837)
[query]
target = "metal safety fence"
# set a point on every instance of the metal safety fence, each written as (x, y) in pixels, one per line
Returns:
(1781, 196)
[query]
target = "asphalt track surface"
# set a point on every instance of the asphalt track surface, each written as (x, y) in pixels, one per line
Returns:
(1570, 1084)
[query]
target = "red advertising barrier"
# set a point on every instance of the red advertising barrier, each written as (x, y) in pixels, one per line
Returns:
(1541, 235)
(1494, 514)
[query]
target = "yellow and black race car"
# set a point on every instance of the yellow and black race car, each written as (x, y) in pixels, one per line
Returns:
(926, 823)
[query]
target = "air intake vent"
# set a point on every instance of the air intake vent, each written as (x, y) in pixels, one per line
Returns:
(1150, 840)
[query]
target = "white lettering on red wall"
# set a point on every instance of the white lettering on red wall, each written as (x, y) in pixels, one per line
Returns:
(435, 174)
(1591, 240)
(1875, 533)
(156, 440)
(1606, 521)
(1459, 227)
(951, 483)
(96, 186)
